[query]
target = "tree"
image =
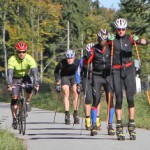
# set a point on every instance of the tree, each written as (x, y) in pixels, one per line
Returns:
(138, 15)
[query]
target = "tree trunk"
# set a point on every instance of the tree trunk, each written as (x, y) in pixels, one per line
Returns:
(41, 66)
(4, 44)
(32, 29)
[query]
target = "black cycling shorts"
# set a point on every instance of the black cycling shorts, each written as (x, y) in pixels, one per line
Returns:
(68, 80)
(16, 89)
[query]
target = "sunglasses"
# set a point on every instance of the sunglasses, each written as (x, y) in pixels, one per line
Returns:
(21, 52)
(121, 29)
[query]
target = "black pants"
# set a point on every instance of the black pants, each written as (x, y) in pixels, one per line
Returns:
(124, 79)
(99, 82)
(87, 88)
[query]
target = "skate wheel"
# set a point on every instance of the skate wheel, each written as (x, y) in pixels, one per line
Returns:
(111, 133)
(93, 133)
(133, 137)
(121, 138)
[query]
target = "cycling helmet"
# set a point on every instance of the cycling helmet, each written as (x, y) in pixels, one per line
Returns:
(70, 53)
(102, 34)
(120, 23)
(88, 47)
(21, 46)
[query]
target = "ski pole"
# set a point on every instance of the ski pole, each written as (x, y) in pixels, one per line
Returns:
(137, 52)
(56, 106)
(108, 107)
(87, 73)
(112, 54)
(148, 97)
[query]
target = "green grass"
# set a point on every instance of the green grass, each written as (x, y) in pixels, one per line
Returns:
(8, 141)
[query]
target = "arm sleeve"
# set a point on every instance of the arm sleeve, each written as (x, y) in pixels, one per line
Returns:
(10, 76)
(78, 71)
(34, 72)
(11, 66)
(56, 72)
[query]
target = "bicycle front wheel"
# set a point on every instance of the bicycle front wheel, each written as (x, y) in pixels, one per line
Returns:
(23, 116)
(19, 117)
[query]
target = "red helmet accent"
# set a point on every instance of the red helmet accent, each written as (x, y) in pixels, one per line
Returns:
(20, 46)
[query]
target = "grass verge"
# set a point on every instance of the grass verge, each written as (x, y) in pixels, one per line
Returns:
(8, 141)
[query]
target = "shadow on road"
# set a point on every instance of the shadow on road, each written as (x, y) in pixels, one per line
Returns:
(45, 123)
(53, 129)
(74, 138)
(75, 134)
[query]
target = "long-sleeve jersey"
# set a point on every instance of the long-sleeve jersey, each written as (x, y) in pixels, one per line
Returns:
(81, 71)
(64, 69)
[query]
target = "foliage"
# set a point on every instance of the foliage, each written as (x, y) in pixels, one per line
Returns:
(43, 25)
(137, 13)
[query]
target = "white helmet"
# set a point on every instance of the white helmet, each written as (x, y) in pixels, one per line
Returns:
(120, 23)
(88, 47)
(102, 34)
(70, 53)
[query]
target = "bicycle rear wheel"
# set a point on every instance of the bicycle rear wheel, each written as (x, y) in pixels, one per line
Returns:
(23, 116)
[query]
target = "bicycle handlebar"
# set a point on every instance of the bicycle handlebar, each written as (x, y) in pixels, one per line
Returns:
(22, 85)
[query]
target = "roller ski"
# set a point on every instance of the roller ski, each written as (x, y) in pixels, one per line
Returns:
(119, 132)
(76, 118)
(94, 130)
(67, 120)
(87, 123)
(98, 124)
(110, 129)
(132, 132)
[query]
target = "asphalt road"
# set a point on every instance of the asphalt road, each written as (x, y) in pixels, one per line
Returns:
(43, 134)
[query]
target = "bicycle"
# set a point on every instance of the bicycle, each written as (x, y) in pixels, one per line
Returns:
(21, 110)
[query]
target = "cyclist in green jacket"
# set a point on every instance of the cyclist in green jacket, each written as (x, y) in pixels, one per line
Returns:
(19, 67)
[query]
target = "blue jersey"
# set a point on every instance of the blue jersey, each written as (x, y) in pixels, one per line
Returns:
(81, 70)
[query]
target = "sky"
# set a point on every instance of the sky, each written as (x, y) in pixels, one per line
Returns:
(109, 3)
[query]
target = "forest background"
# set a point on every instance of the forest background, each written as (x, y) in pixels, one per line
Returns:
(50, 27)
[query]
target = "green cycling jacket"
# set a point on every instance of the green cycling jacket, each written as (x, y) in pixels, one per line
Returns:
(21, 67)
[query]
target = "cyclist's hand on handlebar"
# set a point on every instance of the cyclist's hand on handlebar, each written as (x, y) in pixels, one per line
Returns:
(58, 88)
(36, 87)
(9, 87)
